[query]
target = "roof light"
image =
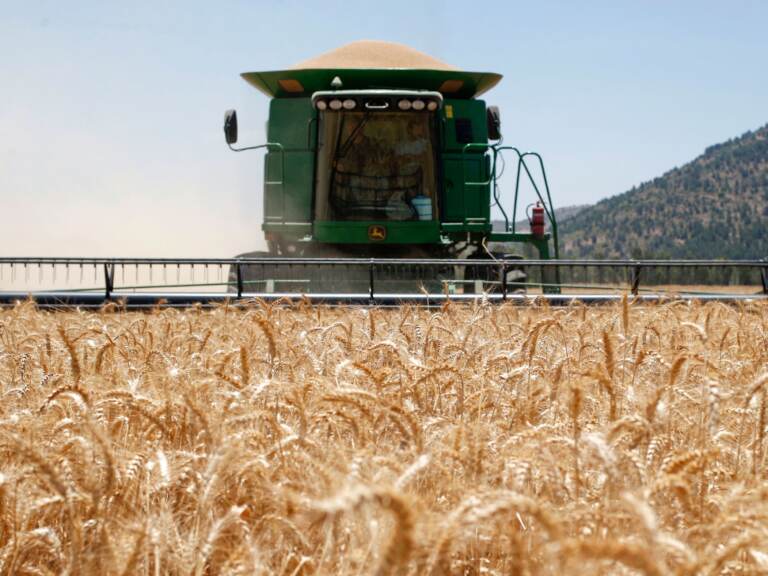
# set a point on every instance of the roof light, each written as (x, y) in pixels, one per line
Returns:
(291, 85)
(349, 104)
(432, 106)
(418, 104)
(321, 104)
(450, 86)
(335, 104)
(404, 104)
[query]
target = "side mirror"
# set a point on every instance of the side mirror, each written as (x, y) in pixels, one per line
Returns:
(494, 123)
(230, 126)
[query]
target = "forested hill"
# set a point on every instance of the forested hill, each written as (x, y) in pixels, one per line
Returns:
(562, 213)
(713, 207)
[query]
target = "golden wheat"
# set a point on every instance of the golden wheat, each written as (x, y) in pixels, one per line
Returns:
(298, 439)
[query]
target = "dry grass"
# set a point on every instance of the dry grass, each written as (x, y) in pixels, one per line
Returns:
(300, 440)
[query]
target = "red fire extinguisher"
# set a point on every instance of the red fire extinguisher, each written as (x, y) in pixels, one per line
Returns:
(536, 220)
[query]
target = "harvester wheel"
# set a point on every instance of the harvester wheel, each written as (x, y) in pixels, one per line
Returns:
(483, 277)
(516, 276)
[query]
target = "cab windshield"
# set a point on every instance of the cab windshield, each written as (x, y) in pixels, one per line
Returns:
(375, 166)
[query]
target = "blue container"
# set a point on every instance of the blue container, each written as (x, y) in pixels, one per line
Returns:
(423, 207)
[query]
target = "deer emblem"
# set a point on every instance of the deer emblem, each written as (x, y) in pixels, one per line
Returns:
(377, 233)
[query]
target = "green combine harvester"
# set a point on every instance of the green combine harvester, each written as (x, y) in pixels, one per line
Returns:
(376, 150)
(381, 173)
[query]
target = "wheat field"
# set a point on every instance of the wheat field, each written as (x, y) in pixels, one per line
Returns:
(473, 439)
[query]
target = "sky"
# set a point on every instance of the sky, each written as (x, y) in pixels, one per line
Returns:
(111, 112)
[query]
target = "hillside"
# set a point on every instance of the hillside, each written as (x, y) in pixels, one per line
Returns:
(561, 213)
(716, 206)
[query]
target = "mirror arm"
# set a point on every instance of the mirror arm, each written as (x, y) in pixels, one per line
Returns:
(244, 148)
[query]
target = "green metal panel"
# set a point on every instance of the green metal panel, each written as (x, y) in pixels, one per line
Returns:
(396, 232)
(289, 181)
(288, 196)
(464, 122)
(289, 121)
(466, 85)
(460, 202)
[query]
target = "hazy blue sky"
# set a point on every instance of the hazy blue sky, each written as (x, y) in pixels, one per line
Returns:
(110, 113)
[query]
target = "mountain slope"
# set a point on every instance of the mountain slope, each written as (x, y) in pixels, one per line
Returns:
(562, 214)
(713, 207)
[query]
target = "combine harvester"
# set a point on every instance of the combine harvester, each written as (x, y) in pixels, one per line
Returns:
(376, 150)
(381, 170)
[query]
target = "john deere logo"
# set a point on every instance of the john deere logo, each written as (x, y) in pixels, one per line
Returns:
(377, 233)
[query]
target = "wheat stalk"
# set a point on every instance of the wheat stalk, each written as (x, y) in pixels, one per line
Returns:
(274, 438)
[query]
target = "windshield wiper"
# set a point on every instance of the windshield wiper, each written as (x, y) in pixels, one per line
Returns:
(342, 150)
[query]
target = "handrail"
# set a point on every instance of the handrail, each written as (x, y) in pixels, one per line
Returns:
(464, 150)
(280, 149)
(521, 163)
(547, 204)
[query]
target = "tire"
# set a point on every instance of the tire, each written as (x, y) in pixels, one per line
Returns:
(516, 276)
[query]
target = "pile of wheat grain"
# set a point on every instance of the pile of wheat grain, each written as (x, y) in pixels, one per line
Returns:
(374, 54)
(278, 439)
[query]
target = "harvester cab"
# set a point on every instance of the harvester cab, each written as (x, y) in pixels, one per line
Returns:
(377, 150)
